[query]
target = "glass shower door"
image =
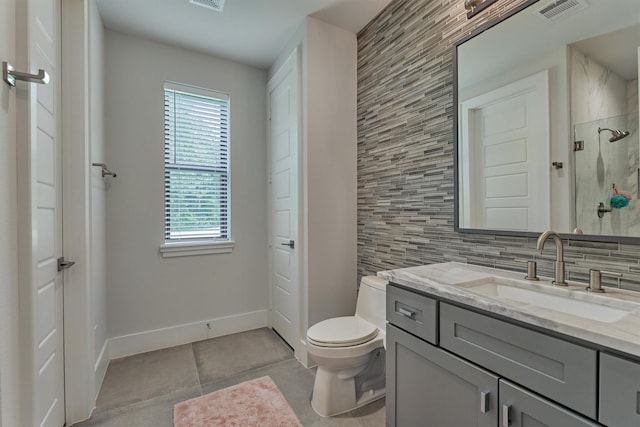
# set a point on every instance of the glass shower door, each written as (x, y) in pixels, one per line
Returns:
(606, 163)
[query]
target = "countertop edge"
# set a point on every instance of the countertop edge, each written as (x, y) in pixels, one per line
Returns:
(429, 280)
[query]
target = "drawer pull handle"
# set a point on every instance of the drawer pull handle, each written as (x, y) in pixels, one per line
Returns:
(484, 401)
(407, 313)
(506, 421)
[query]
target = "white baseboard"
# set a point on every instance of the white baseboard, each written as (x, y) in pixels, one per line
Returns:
(141, 342)
(100, 368)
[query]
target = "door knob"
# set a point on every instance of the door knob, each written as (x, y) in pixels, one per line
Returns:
(290, 244)
(63, 265)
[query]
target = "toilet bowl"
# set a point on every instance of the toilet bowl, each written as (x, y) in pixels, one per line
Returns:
(350, 354)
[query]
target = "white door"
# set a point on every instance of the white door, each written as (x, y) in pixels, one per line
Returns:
(283, 202)
(506, 151)
(40, 219)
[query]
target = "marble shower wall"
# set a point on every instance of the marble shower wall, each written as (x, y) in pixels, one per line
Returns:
(603, 99)
(596, 91)
(405, 153)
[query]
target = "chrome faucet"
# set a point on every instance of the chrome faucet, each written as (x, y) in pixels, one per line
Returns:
(559, 264)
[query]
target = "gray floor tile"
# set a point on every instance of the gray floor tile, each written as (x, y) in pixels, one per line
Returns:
(140, 391)
(224, 357)
(156, 412)
(372, 415)
(145, 376)
(339, 421)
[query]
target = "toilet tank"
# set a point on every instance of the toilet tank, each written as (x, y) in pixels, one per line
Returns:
(371, 304)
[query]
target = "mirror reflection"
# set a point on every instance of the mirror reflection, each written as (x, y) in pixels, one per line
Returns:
(547, 121)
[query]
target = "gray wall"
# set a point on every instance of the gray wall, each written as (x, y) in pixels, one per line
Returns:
(405, 152)
(98, 193)
(146, 292)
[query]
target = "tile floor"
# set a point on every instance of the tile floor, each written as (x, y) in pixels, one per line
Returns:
(140, 391)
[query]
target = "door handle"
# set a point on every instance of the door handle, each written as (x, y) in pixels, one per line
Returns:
(484, 401)
(63, 265)
(10, 75)
(506, 419)
(406, 312)
(291, 244)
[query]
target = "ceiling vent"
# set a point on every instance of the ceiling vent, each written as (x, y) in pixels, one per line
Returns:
(560, 9)
(216, 5)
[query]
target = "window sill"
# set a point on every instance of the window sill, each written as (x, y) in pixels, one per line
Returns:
(176, 249)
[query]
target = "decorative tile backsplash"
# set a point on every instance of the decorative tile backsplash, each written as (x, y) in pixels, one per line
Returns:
(405, 153)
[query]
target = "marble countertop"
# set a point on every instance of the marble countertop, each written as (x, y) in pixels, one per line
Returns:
(455, 282)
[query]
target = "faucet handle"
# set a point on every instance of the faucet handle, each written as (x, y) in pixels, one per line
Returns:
(595, 279)
(531, 269)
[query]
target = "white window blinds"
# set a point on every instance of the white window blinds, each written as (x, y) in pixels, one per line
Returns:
(196, 164)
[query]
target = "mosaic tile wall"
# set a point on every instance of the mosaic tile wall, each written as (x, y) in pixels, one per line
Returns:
(405, 153)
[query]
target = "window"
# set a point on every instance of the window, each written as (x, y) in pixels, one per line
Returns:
(196, 171)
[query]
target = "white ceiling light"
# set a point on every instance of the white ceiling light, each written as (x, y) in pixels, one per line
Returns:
(216, 5)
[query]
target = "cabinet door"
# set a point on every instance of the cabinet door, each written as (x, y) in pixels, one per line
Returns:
(427, 386)
(619, 391)
(521, 408)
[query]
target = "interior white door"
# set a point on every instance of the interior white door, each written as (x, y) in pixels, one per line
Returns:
(283, 195)
(507, 142)
(40, 216)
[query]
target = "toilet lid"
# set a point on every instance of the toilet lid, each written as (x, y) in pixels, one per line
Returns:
(341, 332)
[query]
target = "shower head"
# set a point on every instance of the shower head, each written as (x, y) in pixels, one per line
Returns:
(616, 134)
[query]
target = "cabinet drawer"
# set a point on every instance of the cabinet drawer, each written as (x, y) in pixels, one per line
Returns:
(412, 312)
(563, 371)
(619, 391)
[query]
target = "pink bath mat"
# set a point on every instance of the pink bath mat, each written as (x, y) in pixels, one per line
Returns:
(251, 403)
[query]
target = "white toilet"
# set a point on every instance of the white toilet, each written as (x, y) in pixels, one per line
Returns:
(350, 353)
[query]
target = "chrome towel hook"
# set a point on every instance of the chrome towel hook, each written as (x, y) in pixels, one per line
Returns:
(105, 170)
(10, 75)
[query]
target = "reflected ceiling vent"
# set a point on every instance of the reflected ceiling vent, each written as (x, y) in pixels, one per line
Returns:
(216, 5)
(560, 9)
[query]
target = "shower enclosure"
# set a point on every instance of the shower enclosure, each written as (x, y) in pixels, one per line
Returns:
(607, 158)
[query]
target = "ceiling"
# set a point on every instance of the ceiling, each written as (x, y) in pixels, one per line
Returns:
(616, 50)
(510, 43)
(252, 32)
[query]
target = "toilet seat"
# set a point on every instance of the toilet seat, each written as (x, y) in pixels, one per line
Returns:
(341, 332)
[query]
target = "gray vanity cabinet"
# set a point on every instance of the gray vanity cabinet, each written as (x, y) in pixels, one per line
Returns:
(521, 408)
(452, 367)
(427, 386)
(619, 391)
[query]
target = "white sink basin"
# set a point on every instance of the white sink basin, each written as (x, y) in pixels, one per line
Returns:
(576, 303)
